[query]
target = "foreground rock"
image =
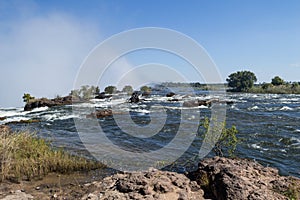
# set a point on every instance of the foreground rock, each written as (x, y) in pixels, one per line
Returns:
(224, 178)
(216, 178)
(42, 102)
(153, 184)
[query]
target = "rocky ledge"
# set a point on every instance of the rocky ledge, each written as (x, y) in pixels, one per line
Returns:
(42, 102)
(216, 178)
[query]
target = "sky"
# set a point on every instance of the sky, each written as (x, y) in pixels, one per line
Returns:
(44, 43)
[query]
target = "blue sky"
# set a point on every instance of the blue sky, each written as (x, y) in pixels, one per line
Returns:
(43, 43)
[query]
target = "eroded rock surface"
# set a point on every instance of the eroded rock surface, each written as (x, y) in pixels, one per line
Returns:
(225, 178)
(153, 184)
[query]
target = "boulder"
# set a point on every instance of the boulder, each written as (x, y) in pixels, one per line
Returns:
(170, 94)
(2, 118)
(102, 95)
(100, 114)
(224, 178)
(134, 97)
(152, 184)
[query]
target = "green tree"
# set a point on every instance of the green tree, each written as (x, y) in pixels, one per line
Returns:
(97, 90)
(145, 89)
(277, 81)
(27, 97)
(241, 81)
(128, 89)
(110, 89)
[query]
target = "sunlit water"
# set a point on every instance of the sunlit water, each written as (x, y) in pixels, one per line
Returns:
(268, 124)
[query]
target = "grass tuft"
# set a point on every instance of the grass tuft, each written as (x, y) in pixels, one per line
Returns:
(24, 156)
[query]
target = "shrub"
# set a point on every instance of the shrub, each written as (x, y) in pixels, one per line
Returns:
(227, 139)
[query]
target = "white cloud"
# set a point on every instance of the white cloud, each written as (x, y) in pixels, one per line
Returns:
(41, 55)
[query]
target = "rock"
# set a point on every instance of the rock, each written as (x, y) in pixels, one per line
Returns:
(146, 93)
(24, 121)
(42, 102)
(102, 95)
(18, 195)
(224, 178)
(170, 94)
(153, 184)
(2, 118)
(196, 103)
(100, 114)
(5, 129)
(134, 97)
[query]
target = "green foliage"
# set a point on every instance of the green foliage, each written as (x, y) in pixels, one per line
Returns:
(97, 90)
(145, 89)
(110, 89)
(227, 139)
(277, 81)
(128, 89)
(85, 92)
(23, 155)
(241, 81)
(27, 97)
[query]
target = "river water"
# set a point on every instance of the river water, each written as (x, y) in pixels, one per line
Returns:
(268, 125)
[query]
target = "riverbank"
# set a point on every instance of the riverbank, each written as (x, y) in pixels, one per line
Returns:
(216, 178)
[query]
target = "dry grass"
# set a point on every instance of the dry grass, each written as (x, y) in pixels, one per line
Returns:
(25, 156)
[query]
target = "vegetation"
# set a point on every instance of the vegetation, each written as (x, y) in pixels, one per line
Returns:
(145, 89)
(277, 81)
(110, 89)
(226, 141)
(27, 97)
(241, 81)
(85, 92)
(128, 89)
(25, 156)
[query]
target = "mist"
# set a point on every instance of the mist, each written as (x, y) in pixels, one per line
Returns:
(41, 55)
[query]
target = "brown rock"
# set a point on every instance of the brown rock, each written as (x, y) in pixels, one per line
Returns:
(225, 178)
(2, 118)
(100, 114)
(153, 184)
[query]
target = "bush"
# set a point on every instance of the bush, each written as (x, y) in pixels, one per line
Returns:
(128, 89)
(241, 81)
(110, 89)
(227, 139)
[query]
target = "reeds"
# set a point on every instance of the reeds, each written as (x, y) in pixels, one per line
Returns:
(25, 156)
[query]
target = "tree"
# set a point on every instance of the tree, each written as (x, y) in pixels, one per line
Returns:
(277, 81)
(146, 89)
(97, 90)
(128, 89)
(110, 89)
(241, 81)
(27, 97)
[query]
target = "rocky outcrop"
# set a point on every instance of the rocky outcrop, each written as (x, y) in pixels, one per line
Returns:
(224, 178)
(100, 114)
(170, 94)
(42, 102)
(153, 184)
(2, 118)
(134, 97)
(102, 95)
(29, 121)
(195, 103)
